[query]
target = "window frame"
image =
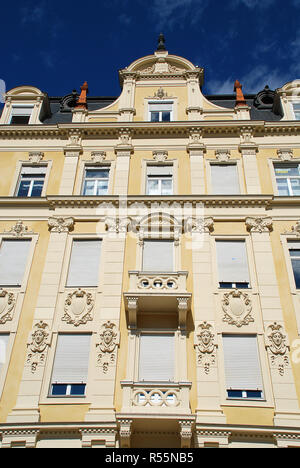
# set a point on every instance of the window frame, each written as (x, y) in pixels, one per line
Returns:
(289, 186)
(232, 161)
(84, 179)
(161, 102)
(295, 293)
(5, 366)
(19, 106)
(293, 103)
(151, 162)
(18, 173)
(87, 164)
(271, 163)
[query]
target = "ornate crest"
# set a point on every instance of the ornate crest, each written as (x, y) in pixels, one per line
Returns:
(237, 308)
(18, 229)
(78, 307)
(277, 347)
(7, 305)
(98, 156)
(222, 155)
(109, 340)
(35, 157)
(160, 156)
(259, 224)
(205, 346)
(60, 224)
(38, 345)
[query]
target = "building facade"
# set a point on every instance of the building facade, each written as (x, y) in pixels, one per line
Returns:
(150, 264)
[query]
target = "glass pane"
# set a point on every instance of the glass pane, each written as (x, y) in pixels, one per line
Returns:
(282, 187)
(97, 173)
(102, 187)
(166, 116)
(37, 188)
(20, 119)
(77, 389)
(295, 183)
(153, 187)
(154, 116)
(295, 253)
(59, 389)
(296, 269)
(166, 187)
(287, 170)
(24, 188)
(88, 188)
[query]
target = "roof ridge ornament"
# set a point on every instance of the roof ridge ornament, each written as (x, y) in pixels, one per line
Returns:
(161, 42)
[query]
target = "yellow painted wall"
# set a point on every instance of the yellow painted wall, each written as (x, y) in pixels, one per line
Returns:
(143, 92)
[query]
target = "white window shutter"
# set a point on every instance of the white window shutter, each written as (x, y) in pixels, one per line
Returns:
(84, 263)
(3, 346)
(13, 260)
(165, 106)
(71, 359)
(232, 261)
(31, 170)
(157, 353)
(158, 255)
(242, 366)
(224, 179)
(22, 110)
(160, 170)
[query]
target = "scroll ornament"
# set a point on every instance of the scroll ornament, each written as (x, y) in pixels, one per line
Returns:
(78, 307)
(277, 347)
(237, 308)
(205, 347)
(7, 305)
(109, 340)
(38, 346)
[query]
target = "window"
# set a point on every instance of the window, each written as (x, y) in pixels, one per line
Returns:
(70, 370)
(160, 111)
(294, 248)
(31, 181)
(3, 347)
(158, 255)
(20, 115)
(13, 260)
(84, 263)
(156, 359)
(159, 180)
(233, 269)
(224, 179)
(95, 181)
(242, 367)
(287, 179)
(296, 110)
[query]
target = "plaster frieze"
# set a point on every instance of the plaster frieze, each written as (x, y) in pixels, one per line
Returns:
(60, 224)
(277, 348)
(7, 305)
(259, 224)
(109, 339)
(37, 347)
(205, 346)
(18, 230)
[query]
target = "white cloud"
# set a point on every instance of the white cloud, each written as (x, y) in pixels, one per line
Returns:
(33, 14)
(171, 13)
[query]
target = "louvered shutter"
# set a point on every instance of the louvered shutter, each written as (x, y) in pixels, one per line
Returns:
(156, 360)
(161, 170)
(224, 179)
(22, 110)
(32, 170)
(71, 359)
(158, 255)
(13, 259)
(3, 346)
(242, 366)
(166, 106)
(232, 261)
(84, 263)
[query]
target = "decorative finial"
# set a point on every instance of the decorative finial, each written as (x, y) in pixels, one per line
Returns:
(161, 42)
(82, 103)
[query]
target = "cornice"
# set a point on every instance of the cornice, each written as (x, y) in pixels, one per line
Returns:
(178, 128)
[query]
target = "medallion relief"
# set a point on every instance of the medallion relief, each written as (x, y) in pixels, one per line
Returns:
(237, 308)
(205, 346)
(277, 347)
(37, 348)
(78, 307)
(7, 305)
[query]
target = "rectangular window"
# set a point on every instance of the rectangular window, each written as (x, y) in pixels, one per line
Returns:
(20, 115)
(156, 360)
(160, 111)
(224, 179)
(242, 367)
(31, 181)
(13, 260)
(159, 180)
(294, 249)
(287, 179)
(95, 181)
(296, 110)
(84, 263)
(70, 370)
(158, 255)
(3, 347)
(232, 264)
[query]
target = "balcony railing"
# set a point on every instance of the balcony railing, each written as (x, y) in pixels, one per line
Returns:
(158, 282)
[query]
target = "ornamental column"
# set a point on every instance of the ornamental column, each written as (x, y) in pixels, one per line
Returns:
(123, 152)
(72, 152)
(196, 150)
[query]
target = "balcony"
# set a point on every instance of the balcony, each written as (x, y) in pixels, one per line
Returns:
(157, 293)
(146, 398)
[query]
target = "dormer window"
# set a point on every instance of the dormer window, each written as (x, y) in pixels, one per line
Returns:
(296, 110)
(160, 111)
(20, 115)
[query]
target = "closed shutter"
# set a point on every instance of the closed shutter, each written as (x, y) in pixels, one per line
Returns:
(242, 366)
(158, 255)
(3, 347)
(224, 179)
(166, 106)
(13, 260)
(32, 170)
(71, 359)
(162, 170)
(84, 263)
(156, 361)
(232, 262)
(22, 110)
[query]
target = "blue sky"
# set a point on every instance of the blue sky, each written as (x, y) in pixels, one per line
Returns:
(57, 45)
